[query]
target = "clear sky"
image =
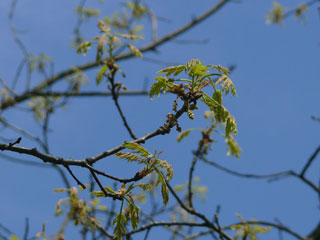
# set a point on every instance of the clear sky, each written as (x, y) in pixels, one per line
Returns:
(277, 78)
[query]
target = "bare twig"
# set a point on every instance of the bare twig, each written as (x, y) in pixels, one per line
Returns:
(137, 176)
(21, 131)
(191, 170)
(272, 176)
(154, 24)
(315, 118)
(85, 94)
(195, 213)
(18, 73)
(114, 196)
(4, 84)
(19, 42)
(11, 144)
(26, 230)
(311, 159)
(246, 175)
(115, 96)
(75, 178)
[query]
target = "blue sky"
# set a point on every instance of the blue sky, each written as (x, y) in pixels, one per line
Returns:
(277, 78)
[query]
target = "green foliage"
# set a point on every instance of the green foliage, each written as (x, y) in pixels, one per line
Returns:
(107, 42)
(135, 51)
(233, 147)
(300, 11)
(101, 73)
(41, 105)
(276, 14)
(14, 237)
(201, 77)
(77, 79)
(137, 148)
(125, 20)
(85, 13)
(183, 134)
(83, 48)
(77, 210)
(164, 188)
(38, 62)
(138, 10)
(197, 189)
(248, 231)
(145, 186)
(153, 164)
(133, 212)
(120, 223)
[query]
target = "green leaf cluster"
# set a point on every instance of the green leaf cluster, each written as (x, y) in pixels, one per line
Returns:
(153, 164)
(248, 231)
(77, 210)
(200, 78)
(41, 105)
(276, 14)
(85, 13)
(83, 48)
(38, 62)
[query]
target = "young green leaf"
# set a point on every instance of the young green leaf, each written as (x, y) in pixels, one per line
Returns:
(129, 156)
(83, 48)
(165, 193)
(120, 229)
(135, 51)
(233, 147)
(156, 88)
(98, 193)
(137, 147)
(172, 70)
(101, 73)
(184, 134)
(145, 186)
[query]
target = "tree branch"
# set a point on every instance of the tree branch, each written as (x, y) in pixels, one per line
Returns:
(151, 46)
(313, 156)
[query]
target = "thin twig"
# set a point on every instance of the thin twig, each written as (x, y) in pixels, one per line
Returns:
(195, 213)
(137, 176)
(114, 196)
(311, 159)
(19, 42)
(4, 84)
(18, 73)
(116, 102)
(85, 94)
(272, 176)
(191, 170)
(21, 131)
(245, 175)
(26, 230)
(75, 178)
